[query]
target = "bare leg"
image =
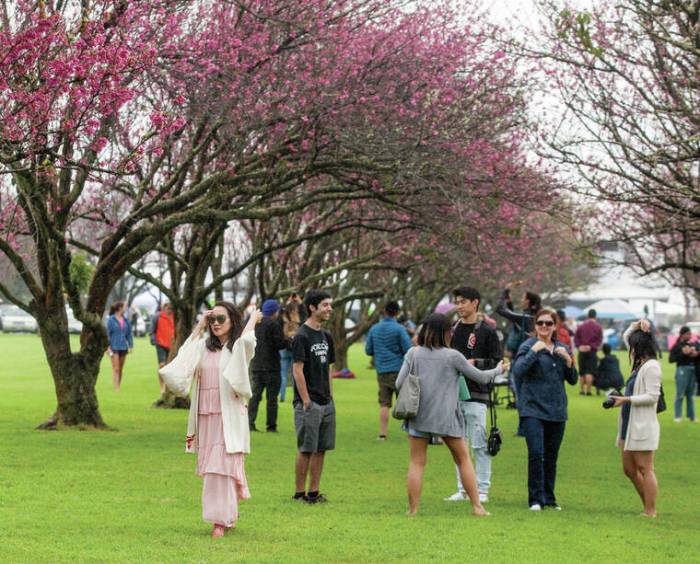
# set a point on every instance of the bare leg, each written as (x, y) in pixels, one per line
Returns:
(650, 487)
(383, 420)
(460, 454)
(302, 469)
(629, 466)
(122, 361)
(589, 383)
(160, 380)
(116, 373)
(582, 383)
(315, 470)
(414, 481)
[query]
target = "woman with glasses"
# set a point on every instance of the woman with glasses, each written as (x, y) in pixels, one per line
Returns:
(216, 368)
(542, 364)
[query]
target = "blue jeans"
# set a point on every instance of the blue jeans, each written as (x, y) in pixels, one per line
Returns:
(685, 387)
(285, 368)
(543, 441)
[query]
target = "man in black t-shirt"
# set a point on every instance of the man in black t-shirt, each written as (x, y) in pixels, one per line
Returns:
(314, 411)
(479, 344)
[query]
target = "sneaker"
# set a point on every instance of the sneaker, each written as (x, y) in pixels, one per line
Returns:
(320, 498)
(554, 506)
(271, 429)
(457, 496)
(589, 393)
(381, 438)
(483, 498)
(253, 429)
(582, 393)
(678, 420)
(299, 497)
(535, 507)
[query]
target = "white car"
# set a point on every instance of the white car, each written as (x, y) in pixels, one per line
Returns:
(74, 326)
(14, 319)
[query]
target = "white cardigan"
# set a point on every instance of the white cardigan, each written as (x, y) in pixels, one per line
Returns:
(643, 429)
(234, 387)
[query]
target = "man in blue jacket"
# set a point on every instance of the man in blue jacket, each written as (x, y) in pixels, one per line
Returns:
(387, 342)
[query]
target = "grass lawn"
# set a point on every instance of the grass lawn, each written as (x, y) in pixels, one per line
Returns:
(132, 495)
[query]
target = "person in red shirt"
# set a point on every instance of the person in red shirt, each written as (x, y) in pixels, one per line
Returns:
(162, 335)
(588, 339)
(564, 334)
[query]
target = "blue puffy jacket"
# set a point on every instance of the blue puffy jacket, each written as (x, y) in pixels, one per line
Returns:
(387, 342)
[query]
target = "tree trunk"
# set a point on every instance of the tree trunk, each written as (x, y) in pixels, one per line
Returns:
(341, 354)
(74, 374)
(184, 321)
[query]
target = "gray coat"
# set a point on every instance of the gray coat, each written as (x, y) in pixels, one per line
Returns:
(438, 371)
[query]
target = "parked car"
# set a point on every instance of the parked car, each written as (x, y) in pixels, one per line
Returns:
(15, 319)
(74, 326)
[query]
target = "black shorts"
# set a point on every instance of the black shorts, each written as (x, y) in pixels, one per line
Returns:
(587, 362)
(120, 353)
(315, 427)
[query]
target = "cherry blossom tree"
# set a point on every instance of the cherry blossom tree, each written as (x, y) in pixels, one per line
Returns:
(625, 75)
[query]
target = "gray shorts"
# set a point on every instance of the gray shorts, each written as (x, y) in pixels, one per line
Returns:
(315, 427)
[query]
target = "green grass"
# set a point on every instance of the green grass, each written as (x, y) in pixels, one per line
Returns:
(132, 495)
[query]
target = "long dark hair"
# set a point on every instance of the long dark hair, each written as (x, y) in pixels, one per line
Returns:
(435, 332)
(642, 348)
(213, 343)
(115, 307)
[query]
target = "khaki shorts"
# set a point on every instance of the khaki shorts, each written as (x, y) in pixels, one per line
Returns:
(387, 387)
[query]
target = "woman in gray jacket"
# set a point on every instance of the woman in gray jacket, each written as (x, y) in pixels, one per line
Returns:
(438, 368)
(638, 426)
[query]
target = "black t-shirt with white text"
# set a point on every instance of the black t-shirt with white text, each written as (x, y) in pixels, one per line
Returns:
(315, 349)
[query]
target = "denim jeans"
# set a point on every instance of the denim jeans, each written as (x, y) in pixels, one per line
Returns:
(475, 434)
(285, 368)
(543, 441)
(685, 387)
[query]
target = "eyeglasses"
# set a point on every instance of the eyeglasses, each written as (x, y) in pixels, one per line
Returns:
(547, 323)
(220, 319)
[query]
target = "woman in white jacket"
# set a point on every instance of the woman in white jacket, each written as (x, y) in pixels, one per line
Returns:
(216, 368)
(638, 427)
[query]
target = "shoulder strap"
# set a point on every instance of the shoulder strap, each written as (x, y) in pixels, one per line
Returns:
(492, 406)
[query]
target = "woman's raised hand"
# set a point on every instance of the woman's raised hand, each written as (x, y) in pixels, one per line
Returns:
(202, 323)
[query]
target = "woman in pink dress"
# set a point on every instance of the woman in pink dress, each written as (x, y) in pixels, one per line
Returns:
(217, 370)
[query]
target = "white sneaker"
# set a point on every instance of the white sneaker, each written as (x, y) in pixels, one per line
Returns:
(458, 496)
(483, 498)
(677, 420)
(535, 507)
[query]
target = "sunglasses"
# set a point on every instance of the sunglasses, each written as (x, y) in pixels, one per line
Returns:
(220, 319)
(547, 323)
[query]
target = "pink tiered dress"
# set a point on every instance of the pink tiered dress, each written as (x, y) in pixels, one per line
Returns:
(224, 473)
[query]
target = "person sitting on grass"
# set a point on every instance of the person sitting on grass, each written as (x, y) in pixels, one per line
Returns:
(439, 369)
(609, 374)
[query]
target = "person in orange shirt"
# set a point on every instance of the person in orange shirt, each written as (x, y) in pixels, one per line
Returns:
(564, 334)
(162, 335)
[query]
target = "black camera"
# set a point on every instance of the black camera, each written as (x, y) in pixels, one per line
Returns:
(610, 402)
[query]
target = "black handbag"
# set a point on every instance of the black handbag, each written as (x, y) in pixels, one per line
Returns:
(661, 404)
(495, 440)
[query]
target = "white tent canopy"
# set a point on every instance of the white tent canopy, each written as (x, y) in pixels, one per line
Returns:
(613, 309)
